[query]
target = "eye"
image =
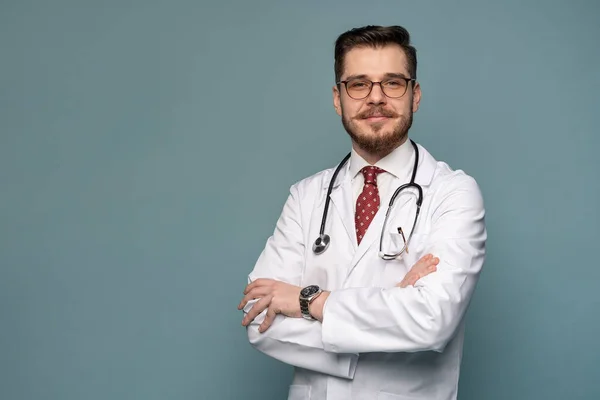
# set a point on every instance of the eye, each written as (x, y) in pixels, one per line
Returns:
(358, 84)
(394, 83)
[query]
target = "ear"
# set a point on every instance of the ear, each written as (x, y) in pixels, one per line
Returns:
(337, 102)
(416, 96)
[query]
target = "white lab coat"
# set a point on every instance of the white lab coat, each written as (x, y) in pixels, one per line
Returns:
(377, 341)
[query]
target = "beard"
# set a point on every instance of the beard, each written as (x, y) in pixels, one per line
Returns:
(378, 142)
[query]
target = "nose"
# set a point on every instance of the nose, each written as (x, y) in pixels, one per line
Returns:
(376, 96)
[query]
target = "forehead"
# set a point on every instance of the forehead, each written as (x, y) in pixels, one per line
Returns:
(375, 62)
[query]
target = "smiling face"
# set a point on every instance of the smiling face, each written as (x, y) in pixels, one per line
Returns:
(377, 124)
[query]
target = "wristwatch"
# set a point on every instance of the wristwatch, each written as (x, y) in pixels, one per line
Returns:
(307, 295)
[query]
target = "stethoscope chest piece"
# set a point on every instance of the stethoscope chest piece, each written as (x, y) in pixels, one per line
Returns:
(321, 244)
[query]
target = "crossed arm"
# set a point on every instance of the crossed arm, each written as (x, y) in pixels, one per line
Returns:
(283, 298)
(421, 314)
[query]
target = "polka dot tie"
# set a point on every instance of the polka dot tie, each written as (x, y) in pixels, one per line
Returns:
(367, 202)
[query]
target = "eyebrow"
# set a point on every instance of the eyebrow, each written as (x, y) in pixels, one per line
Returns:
(386, 76)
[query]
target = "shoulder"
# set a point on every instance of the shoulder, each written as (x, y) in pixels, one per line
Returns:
(454, 179)
(454, 185)
(316, 182)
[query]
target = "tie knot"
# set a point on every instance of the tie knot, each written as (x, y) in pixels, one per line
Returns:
(370, 173)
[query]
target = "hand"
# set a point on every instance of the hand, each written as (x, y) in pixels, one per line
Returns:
(278, 297)
(425, 266)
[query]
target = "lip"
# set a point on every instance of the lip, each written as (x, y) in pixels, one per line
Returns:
(376, 118)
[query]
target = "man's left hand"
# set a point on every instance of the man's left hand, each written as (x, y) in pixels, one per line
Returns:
(278, 297)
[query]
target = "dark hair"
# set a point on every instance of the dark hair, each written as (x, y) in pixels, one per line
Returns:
(374, 36)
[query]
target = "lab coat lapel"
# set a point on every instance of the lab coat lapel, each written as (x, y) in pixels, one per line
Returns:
(341, 197)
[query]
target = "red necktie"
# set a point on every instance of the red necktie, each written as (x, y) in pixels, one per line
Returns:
(367, 202)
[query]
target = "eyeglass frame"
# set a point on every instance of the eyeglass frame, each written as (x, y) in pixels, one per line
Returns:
(407, 80)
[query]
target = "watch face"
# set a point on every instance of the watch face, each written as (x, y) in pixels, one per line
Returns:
(309, 290)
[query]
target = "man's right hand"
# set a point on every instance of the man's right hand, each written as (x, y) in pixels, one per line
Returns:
(425, 266)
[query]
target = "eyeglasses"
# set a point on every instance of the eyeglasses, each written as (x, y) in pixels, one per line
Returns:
(359, 88)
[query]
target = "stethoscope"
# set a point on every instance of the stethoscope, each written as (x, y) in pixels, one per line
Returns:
(322, 242)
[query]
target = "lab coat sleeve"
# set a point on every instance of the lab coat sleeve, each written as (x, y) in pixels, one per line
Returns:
(426, 316)
(295, 341)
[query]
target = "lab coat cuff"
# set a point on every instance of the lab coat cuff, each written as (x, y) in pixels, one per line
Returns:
(338, 365)
(329, 333)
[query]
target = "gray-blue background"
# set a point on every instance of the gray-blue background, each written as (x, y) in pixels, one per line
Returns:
(146, 149)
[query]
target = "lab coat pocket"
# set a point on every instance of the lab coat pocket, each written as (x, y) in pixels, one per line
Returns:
(299, 392)
(392, 396)
(396, 242)
(393, 242)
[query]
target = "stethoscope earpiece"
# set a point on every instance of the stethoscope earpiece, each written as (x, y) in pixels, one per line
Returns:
(321, 244)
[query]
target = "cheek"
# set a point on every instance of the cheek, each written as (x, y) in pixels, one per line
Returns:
(352, 108)
(348, 110)
(404, 107)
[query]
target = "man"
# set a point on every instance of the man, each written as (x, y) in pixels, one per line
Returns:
(379, 313)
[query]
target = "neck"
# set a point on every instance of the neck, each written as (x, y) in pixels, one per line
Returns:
(373, 157)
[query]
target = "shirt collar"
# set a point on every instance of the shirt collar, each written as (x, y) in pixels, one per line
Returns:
(398, 163)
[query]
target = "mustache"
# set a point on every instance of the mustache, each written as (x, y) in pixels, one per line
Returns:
(376, 112)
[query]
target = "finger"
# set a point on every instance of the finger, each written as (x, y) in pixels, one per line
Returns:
(256, 309)
(423, 261)
(270, 317)
(255, 293)
(429, 270)
(432, 261)
(258, 283)
(420, 269)
(251, 286)
(432, 266)
(425, 258)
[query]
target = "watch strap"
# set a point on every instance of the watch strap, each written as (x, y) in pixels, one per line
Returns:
(305, 303)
